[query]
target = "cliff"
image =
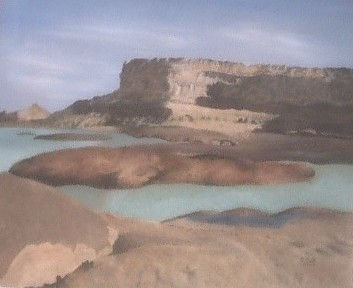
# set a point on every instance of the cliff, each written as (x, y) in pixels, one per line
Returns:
(184, 81)
(291, 100)
(229, 98)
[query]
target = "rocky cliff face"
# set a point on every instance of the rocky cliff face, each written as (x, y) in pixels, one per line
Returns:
(225, 97)
(184, 81)
(319, 100)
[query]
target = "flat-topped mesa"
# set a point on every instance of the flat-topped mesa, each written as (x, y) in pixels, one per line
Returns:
(185, 80)
(192, 93)
(231, 99)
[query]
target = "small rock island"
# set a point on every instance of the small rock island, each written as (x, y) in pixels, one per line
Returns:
(136, 166)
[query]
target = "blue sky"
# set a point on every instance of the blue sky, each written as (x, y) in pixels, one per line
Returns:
(56, 51)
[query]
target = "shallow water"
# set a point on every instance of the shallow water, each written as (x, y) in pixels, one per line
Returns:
(18, 143)
(332, 186)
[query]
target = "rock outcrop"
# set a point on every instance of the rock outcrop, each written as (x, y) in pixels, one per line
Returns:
(318, 99)
(310, 251)
(224, 97)
(43, 234)
(131, 167)
(184, 81)
(49, 241)
(32, 113)
(35, 112)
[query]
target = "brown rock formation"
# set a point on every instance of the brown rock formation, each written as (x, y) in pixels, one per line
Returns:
(43, 234)
(32, 113)
(137, 166)
(35, 112)
(224, 97)
(310, 251)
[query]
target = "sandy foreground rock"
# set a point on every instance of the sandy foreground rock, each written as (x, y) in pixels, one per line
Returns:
(313, 248)
(43, 234)
(136, 166)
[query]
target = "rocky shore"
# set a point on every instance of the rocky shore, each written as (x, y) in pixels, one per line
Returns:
(73, 137)
(51, 241)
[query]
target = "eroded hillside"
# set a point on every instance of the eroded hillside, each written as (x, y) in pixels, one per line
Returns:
(224, 97)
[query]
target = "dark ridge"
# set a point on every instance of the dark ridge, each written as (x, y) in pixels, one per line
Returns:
(131, 111)
(322, 107)
(253, 217)
(73, 137)
(124, 243)
(145, 80)
(144, 90)
(269, 89)
(8, 117)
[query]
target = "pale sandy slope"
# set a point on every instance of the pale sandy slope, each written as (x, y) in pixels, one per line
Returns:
(230, 122)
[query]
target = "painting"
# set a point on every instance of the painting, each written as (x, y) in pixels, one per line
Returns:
(186, 143)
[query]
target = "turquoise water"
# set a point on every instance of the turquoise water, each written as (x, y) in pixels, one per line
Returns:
(15, 147)
(332, 186)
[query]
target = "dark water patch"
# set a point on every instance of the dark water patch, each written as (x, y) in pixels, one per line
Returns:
(250, 217)
(73, 137)
(26, 133)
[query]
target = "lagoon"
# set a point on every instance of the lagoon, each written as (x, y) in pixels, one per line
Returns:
(332, 186)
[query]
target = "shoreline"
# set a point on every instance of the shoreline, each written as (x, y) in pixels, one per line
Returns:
(73, 137)
(133, 247)
(257, 146)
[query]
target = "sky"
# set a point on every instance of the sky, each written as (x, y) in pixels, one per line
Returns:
(53, 52)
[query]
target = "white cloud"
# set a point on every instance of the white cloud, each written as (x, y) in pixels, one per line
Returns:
(280, 43)
(39, 63)
(40, 81)
(116, 34)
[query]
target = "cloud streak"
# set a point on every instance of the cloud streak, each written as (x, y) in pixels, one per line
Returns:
(108, 34)
(282, 44)
(58, 51)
